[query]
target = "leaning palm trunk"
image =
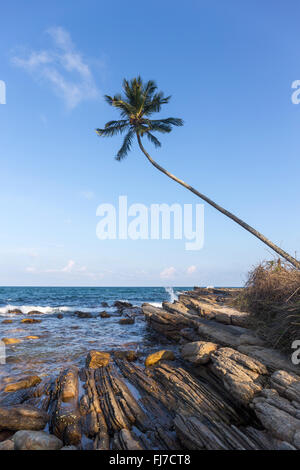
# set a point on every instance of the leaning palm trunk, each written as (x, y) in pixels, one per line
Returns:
(247, 227)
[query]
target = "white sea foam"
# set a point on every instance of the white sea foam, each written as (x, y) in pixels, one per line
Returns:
(25, 309)
(171, 293)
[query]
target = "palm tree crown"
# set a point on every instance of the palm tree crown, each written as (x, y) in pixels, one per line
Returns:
(138, 102)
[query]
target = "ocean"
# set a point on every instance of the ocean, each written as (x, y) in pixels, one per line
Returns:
(59, 342)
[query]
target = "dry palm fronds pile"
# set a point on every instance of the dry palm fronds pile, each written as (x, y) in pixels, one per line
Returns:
(272, 295)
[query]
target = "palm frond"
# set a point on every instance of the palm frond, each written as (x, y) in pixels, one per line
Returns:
(126, 146)
(113, 128)
(153, 139)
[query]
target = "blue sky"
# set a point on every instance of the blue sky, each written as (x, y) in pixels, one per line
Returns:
(229, 67)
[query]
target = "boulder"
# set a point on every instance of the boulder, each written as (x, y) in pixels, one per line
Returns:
(159, 356)
(104, 304)
(26, 382)
(198, 352)
(36, 440)
(17, 417)
(127, 355)
(97, 359)
(59, 316)
(16, 311)
(11, 340)
(126, 321)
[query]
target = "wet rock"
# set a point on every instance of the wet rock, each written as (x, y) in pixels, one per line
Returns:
(80, 314)
(36, 440)
(126, 321)
(26, 382)
(104, 314)
(30, 320)
(241, 375)
(120, 305)
(17, 417)
(127, 355)
(32, 337)
(198, 352)
(35, 312)
(16, 311)
(97, 359)
(7, 445)
(11, 340)
(69, 448)
(7, 321)
(59, 316)
(159, 356)
(104, 304)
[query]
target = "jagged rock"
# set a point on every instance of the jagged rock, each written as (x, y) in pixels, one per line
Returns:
(226, 335)
(273, 359)
(126, 321)
(35, 312)
(104, 304)
(129, 355)
(11, 340)
(7, 445)
(241, 375)
(65, 419)
(280, 423)
(125, 440)
(32, 337)
(287, 384)
(30, 320)
(198, 352)
(7, 321)
(104, 315)
(159, 356)
(36, 440)
(97, 359)
(120, 305)
(169, 324)
(26, 382)
(17, 417)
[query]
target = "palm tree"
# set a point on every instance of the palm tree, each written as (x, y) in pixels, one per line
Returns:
(138, 102)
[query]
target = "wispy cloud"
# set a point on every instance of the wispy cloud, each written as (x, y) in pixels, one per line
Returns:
(191, 269)
(64, 67)
(168, 273)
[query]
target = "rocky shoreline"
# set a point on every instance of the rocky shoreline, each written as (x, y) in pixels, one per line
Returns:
(214, 385)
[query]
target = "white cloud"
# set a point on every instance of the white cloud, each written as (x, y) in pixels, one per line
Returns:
(69, 267)
(168, 273)
(191, 269)
(63, 67)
